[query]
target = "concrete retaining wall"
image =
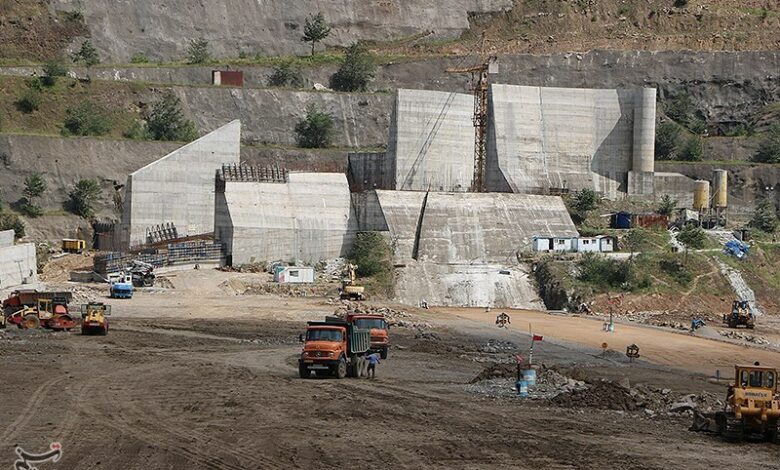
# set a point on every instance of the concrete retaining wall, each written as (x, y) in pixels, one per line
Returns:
(542, 138)
(6, 238)
(18, 265)
(431, 143)
(307, 219)
(179, 188)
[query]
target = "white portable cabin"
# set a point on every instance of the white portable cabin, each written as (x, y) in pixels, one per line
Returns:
(587, 245)
(554, 244)
(294, 275)
(606, 244)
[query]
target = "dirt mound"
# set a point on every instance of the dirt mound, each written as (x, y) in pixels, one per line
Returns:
(604, 395)
(494, 371)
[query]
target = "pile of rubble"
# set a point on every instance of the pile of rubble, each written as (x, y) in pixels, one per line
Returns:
(394, 317)
(239, 286)
(331, 270)
(498, 380)
(739, 335)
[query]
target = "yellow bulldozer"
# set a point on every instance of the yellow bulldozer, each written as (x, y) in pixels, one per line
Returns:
(752, 405)
(349, 289)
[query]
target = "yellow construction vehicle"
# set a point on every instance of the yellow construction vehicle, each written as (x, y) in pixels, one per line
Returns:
(752, 405)
(349, 289)
(73, 245)
(93, 318)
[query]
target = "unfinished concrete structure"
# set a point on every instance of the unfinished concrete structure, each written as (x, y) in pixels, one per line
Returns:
(178, 189)
(431, 142)
(549, 138)
(540, 140)
(264, 216)
(461, 248)
(18, 263)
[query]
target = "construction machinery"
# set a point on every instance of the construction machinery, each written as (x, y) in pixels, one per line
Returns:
(334, 348)
(349, 288)
(93, 318)
(741, 315)
(752, 405)
(73, 245)
(380, 331)
(480, 86)
(48, 313)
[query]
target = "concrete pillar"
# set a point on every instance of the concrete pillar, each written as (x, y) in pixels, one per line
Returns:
(644, 132)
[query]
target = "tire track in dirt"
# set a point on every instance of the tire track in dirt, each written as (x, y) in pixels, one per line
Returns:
(32, 407)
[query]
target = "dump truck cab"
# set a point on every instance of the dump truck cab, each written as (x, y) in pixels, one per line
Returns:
(94, 318)
(752, 404)
(379, 328)
(333, 348)
(73, 245)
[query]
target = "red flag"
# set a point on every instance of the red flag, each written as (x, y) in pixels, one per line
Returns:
(538, 338)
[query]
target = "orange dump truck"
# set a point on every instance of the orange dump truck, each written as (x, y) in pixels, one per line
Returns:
(334, 348)
(380, 331)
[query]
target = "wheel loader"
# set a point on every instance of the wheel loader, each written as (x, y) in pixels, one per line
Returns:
(93, 318)
(48, 313)
(752, 405)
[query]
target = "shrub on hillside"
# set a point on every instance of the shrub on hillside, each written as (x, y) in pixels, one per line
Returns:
(29, 101)
(607, 273)
(693, 149)
(166, 121)
(87, 54)
(87, 118)
(676, 270)
(198, 52)
(667, 138)
(356, 71)
(765, 217)
(315, 129)
(315, 30)
(769, 149)
(52, 70)
(286, 74)
(139, 58)
(11, 221)
(83, 197)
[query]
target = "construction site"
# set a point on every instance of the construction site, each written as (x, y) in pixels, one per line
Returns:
(497, 253)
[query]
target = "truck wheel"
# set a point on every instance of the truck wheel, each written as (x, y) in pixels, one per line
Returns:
(303, 371)
(383, 353)
(341, 369)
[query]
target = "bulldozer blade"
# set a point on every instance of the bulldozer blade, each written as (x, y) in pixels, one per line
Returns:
(703, 422)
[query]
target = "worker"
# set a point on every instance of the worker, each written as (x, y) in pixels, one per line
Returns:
(373, 360)
(502, 320)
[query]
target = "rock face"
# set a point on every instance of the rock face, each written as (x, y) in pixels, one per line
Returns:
(163, 29)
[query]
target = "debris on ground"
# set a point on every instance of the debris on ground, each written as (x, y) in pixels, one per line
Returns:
(739, 335)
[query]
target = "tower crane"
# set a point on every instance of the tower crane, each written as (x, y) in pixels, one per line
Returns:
(480, 84)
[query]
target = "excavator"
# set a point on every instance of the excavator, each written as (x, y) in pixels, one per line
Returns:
(349, 289)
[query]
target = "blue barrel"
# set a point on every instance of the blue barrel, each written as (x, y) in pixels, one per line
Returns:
(522, 388)
(529, 377)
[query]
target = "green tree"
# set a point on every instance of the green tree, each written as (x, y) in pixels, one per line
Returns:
(198, 52)
(11, 221)
(668, 205)
(634, 240)
(34, 187)
(87, 118)
(87, 54)
(693, 150)
(315, 30)
(29, 101)
(371, 254)
(356, 71)
(769, 149)
(692, 238)
(765, 217)
(52, 70)
(83, 197)
(585, 201)
(315, 129)
(286, 74)
(166, 121)
(667, 138)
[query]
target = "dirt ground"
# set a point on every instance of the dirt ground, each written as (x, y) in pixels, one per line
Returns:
(196, 376)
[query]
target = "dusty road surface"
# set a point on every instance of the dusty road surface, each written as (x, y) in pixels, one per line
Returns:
(199, 377)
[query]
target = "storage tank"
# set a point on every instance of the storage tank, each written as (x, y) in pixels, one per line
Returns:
(701, 195)
(720, 189)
